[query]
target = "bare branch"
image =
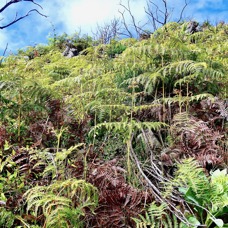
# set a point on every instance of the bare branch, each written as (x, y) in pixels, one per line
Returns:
(16, 1)
(125, 25)
(8, 4)
(166, 14)
(34, 3)
(16, 19)
(159, 16)
(128, 9)
(108, 31)
(3, 54)
(182, 11)
(134, 26)
(156, 191)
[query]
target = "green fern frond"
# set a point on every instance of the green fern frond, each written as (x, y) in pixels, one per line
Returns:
(111, 92)
(188, 174)
(61, 197)
(127, 126)
(212, 74)
(186, 99)
(6, 218)
(184, 67)
(66, 215)
(156, 216)
(148, 80)
(200, 97)
(110, 112)
(187, 79)
(117, 108)
(207, 195)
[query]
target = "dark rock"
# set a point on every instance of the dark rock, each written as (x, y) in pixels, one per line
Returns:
(193, 27)
(70, 51)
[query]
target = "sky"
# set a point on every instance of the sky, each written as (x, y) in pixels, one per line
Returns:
(70, 16)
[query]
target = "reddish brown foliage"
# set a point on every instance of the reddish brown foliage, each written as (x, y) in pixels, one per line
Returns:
(3, 136)
(27, 165)
(118, 201)
(194, 138)
(215, 113)
(56, 113)
(41, 133)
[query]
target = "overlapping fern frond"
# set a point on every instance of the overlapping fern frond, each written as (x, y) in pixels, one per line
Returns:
(6, 218)
(119, 201)
(128, 126)
(207, 196)
(189, 174)
(195, 138)
(62, 199)
(156, 216)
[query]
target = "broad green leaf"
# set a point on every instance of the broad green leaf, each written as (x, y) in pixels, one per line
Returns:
(194, 221)
(218, 222)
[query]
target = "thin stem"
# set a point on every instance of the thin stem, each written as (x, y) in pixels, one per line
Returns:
(85, 164)
(19, 116)
(180, 96)
(187, 104)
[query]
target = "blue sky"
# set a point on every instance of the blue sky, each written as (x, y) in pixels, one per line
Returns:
(73, 15)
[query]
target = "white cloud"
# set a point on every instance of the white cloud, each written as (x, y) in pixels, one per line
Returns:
(75, 14)
(86, 14)
(24, 32)
(71, 15)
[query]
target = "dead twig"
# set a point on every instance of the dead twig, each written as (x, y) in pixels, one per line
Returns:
(16, 19)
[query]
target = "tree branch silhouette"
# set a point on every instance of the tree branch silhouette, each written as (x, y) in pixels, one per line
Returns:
(16, 19)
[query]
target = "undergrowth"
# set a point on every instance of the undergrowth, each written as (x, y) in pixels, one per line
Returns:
(127, 134)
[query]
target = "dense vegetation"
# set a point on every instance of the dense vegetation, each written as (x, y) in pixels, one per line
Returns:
(127, 134)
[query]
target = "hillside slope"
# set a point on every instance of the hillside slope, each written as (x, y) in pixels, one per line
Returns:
(121, 135)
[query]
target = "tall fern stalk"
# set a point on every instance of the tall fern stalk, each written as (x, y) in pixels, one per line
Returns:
(101, 119)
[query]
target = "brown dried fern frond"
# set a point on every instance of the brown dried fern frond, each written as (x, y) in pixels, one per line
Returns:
(119, 202)
(194, 138)
(3, 136)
